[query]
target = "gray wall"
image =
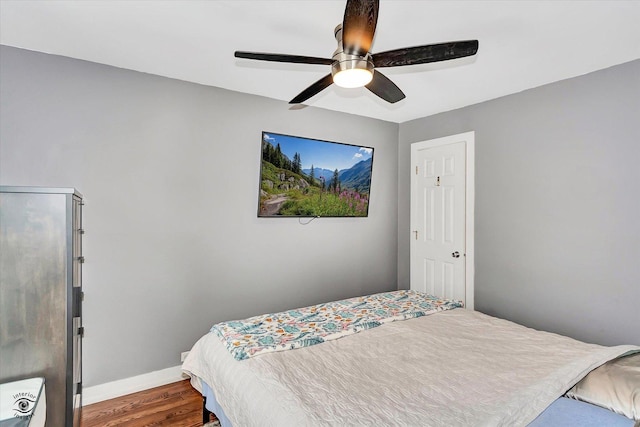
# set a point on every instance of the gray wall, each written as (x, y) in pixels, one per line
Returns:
(170, 171)
(557, 222)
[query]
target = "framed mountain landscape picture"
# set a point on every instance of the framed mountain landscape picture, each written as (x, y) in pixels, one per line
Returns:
(304, 177)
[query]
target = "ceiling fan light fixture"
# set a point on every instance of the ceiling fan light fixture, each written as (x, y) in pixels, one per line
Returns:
(353, 77)
(351, 71)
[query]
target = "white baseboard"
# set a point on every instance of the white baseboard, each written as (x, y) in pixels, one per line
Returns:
(106, 391)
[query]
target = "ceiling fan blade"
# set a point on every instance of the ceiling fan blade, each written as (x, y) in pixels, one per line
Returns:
(315, 88)
(385, 88)
(359, 26)
(276, 57)
(425, 54)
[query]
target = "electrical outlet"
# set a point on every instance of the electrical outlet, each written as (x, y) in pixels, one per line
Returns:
(183, 355)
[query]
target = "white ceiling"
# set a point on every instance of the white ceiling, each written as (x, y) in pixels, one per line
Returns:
(523, 44)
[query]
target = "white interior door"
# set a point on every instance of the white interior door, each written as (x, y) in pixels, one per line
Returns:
(439, 241)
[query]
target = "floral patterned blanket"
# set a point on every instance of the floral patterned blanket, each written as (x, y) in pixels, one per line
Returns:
(312, 325)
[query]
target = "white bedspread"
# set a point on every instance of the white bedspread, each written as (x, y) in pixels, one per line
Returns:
(455, 368)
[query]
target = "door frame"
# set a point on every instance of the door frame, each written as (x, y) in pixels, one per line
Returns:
(469, 139)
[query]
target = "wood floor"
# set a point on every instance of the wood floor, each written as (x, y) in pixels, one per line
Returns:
(176, 404)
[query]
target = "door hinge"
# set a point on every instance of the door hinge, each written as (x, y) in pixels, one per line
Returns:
(81, 331)
(416, 233)
(416, 170)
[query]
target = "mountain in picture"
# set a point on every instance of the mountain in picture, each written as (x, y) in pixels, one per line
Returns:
(358, 177)
(319, 172)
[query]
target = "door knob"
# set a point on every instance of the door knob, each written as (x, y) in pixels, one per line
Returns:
(456, 254)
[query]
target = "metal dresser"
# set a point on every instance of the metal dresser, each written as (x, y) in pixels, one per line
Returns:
(41, 294)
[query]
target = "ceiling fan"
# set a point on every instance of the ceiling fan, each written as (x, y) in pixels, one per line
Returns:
(353, 65)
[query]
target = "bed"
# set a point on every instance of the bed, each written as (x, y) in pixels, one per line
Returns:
(404, 358)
